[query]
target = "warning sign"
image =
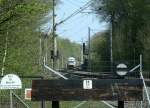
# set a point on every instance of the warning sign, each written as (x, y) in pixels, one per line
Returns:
(28, 93)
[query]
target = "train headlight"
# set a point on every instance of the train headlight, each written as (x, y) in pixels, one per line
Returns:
(121, 70)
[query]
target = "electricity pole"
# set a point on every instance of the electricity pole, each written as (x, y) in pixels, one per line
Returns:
(55, 104)
(89, 52)
(54, 38)
(120, 103)
(111, 35)
(82, 55)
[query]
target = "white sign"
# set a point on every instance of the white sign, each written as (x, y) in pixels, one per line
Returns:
(28, 93)
(87, 84)
(122, 66)
(10, 81)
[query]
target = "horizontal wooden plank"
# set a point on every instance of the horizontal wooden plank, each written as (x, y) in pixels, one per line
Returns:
(102, 89)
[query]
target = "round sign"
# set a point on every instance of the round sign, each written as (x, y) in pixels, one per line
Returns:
(10, 81)
(121, 69)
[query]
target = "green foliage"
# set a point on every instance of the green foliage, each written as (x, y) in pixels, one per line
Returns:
(130, 20)
(100, 52)
(19, 22)
(68, 49)
(65, 49)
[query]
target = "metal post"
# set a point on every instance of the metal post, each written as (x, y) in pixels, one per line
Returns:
(55, 53)
(62, 62)
(111, 35)
(55, 104)
(141, 67)
(141, 72)
(40, 51)
(42, 102)
(54, 38)
(11, 100)
(144, 85)
(89, 52)
(46, 50)
(120, 104)
(141, 104)
(82, 55)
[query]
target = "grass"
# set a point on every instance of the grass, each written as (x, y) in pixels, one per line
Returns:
(88, 104)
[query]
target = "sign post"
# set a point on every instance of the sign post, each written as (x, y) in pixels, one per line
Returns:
(10, 82)
(11, 100)
(121, 71)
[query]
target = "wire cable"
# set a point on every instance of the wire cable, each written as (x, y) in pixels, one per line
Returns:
(73, 14)
(76, 12)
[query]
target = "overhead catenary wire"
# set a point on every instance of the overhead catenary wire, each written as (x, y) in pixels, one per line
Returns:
(79, 18)
(85, 6)
(82, 26)
(76, 12)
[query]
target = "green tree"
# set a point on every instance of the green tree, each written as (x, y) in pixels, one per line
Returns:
(68, 49)
(100, 52)
(130, 20)
(19, 22)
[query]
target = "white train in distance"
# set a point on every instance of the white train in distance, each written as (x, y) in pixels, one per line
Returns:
(71, 63)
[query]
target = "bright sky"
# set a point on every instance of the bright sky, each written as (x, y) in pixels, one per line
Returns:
(76, 28)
